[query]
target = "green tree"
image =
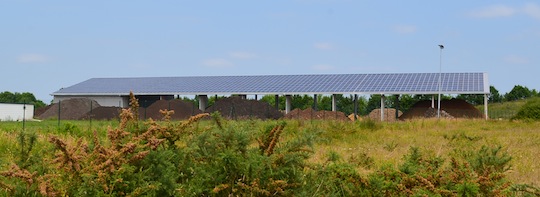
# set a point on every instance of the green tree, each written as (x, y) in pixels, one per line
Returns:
(7, 97)
(494, 97)
(374, 102)
(302, 101)
(324, 102)
(25, 97)
(474, 99)
(517, 93)
(271, 99)
(406, 101)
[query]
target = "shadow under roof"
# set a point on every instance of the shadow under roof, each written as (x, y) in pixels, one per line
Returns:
(390, 83)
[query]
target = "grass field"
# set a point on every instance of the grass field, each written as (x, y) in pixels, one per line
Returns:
(366, 145)
(388, 142)
(379, 143)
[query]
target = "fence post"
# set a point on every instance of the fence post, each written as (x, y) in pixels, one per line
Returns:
(90, 115)
(59, 112)
(24, 115)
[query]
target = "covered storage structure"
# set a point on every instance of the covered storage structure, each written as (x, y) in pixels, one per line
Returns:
(115, 91)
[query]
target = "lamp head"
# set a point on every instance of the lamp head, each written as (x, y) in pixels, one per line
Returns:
(441, 46)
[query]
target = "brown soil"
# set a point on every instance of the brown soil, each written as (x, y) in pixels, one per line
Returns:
(308, 114)
(41, 110)
(457, 108)
(351, 117)
(389, 114)
(239, 108)
(182, 110)
(71, 109)
(104, 113)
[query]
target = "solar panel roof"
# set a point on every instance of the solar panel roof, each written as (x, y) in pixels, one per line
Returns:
(390, 83)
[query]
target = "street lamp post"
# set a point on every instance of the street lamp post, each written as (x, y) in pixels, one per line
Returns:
(440, 82)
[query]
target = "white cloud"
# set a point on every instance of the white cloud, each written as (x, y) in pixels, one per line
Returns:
(515, 59)
(32, 58)
(324, 46)
(493, 11)
(405, 29)
(323, 67)
(532, 10)
(217, 63)
(242, 55)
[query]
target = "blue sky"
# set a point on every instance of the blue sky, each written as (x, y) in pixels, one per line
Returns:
(47, 45)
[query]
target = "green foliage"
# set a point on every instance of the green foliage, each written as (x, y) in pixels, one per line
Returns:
(490, 160)
(467, 189)
(524, 190)
(362, 159)
(494, 96)
(529, 111)
(69, 128)
(220, 161)
(26, 141)
(473, 99)
(25, 97)
(517, 93)
(406, 101)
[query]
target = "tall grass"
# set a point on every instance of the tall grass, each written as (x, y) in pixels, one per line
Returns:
(388, 144)
(503, 110)
(292, 157)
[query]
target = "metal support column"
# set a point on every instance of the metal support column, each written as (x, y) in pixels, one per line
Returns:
(203, 102)
(288, 103)
(334, 102)
(277, 102)
(486, 106)
(355, 106)
(315, 102)
(382, 107)
(397, 106)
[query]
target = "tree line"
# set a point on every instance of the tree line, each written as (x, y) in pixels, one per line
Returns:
(21, 98)
(366, 105)
(345, 103)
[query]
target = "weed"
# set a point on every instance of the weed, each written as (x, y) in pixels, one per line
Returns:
(391, 146)
(362, 159)
(369, 124)
(69, 128)
(461, 136)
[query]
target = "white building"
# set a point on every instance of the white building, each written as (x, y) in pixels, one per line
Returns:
(16, 112)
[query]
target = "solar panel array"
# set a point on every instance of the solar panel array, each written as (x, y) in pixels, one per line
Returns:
(392, 83)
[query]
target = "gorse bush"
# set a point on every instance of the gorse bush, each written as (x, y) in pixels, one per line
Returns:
(529, 111)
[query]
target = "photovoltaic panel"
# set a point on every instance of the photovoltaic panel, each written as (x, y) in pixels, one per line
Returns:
(391, 83)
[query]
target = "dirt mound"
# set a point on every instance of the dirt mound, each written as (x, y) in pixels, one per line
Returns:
(432, 113)
(389, 114)
(457, 108)
(239, 108)
(351, 117)
(182, 110)
(41, 110)
(104, 113)
(70, 109)
(308, 114)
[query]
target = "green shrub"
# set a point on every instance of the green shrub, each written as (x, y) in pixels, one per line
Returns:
(529, 111)
(69, 128)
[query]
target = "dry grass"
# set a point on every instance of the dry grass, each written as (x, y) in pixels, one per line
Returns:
(388, 144)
